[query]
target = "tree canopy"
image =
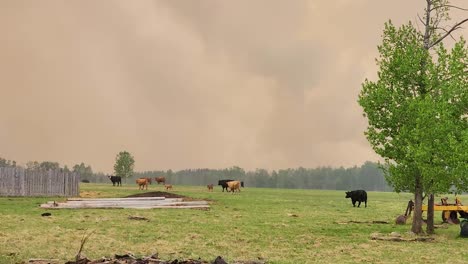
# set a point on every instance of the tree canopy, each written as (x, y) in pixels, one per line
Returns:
(417, 110)
(124, 163)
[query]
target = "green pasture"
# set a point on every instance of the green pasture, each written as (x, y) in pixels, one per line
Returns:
(273, 225)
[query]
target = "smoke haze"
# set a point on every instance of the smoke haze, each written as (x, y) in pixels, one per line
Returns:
(190, 84)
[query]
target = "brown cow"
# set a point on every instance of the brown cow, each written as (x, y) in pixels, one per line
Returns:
(160, 180)
(168, 186)
(142, 183)
(234, 185)
(210, 187)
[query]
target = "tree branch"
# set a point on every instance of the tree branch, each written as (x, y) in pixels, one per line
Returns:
(421, 20)
(445, 30)
(454, 27)
(427, 33)
(449, 6)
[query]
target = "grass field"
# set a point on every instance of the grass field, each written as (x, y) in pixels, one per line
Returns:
(274, 225)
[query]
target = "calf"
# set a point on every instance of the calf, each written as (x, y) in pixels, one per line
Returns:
(168, 186)
(210, 187)
(357, 196)
(115, 180)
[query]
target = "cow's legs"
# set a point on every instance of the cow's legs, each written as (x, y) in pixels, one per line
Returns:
(359, 205)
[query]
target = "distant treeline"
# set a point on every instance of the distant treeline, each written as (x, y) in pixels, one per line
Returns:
(368, 177)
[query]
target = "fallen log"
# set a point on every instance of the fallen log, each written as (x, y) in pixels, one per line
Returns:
(43, 261)
(402, 239)
(362, 222)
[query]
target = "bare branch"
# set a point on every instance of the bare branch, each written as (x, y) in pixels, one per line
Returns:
(421, 20)
(449, 6)
(454, 27)
(445, 30)
(83, 241)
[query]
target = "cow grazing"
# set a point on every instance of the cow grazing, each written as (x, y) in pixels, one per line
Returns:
(210, 187)
(223, 184)
(160, 180)
(357, 196)
(142, 183)
(168, 186)
(234, 185)
(115, 180)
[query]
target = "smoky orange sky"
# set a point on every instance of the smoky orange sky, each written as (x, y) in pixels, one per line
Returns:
(190, 84)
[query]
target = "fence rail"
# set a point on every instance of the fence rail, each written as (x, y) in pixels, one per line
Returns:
(21, 182)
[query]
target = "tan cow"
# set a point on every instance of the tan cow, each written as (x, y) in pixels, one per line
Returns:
(234, 185)
(210, 187)
(168, 186)
(160, 180)
(142, 183)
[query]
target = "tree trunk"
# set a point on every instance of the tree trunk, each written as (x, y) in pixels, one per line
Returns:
(430, 215)
(417, 218)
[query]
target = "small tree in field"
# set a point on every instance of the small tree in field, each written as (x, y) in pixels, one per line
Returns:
(418, 109)
(124, 163)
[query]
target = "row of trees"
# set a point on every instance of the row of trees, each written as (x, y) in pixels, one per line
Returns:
(368, 176)
(7, 163)
(84, 170)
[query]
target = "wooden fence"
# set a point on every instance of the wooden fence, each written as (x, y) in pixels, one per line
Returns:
(21, 182)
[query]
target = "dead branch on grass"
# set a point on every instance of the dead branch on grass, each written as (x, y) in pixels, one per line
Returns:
(78, 257)
(362, 222)
(401, 239)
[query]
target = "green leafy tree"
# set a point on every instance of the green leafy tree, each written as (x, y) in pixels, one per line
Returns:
(417, 109)
(124, 163)
(86, 172)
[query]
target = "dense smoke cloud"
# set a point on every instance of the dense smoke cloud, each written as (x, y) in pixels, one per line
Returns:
(184, 84)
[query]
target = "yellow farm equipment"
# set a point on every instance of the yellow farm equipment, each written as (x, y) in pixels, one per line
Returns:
(450, 211)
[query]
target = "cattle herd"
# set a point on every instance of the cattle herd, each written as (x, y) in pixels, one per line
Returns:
(357, 196)
(142, 183)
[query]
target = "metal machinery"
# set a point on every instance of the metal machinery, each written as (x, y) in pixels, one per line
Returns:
(450, 211)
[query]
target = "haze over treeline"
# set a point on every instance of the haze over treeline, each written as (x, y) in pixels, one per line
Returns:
(369, 176)
(190, 84)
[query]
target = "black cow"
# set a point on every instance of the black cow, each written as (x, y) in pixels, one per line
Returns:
(357, 196)
(224, 184)
(115, 179)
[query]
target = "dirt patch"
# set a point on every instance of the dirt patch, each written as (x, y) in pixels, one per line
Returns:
(156, 194)
(89, 194)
